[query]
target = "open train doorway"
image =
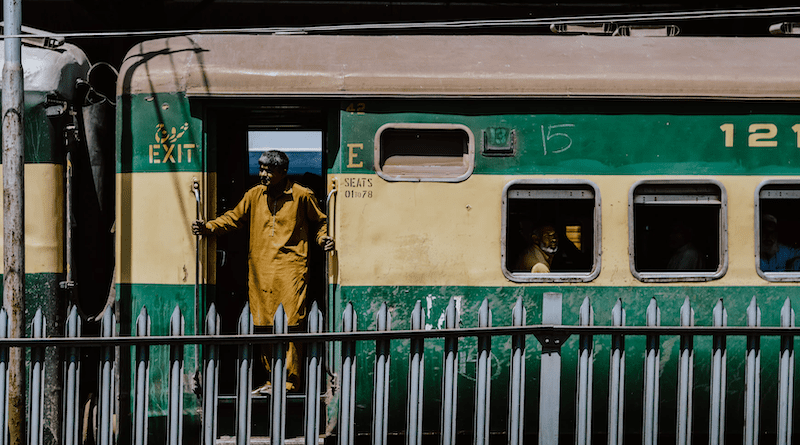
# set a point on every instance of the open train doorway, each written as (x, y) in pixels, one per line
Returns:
(240, 138)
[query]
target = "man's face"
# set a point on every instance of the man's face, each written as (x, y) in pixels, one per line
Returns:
(271, 175)
(549, 241)
(769, 240)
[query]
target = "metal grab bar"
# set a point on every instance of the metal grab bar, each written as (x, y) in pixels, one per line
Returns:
(331, 211)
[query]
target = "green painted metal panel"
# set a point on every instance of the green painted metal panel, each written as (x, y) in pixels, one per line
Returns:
(366, 300)
(157, 133)
(573, 137)
(42, 135)
(160, 301)
(42, 291)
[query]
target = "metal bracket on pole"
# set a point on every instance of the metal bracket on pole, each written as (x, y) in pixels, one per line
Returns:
(551, 342)
(38, 37)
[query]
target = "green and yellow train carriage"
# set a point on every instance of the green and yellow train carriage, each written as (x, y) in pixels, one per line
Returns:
(446, 153)
(51, 76)
(67, 230)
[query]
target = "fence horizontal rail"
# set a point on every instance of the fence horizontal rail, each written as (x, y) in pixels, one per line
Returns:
(557, 331)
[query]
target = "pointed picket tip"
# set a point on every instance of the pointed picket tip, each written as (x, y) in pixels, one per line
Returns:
(212, 321)
(176, 312)
(417, 316)
(349, 318)
(618, 313)
(73, 312)
(4, 325)
(653, 313)
(383, 318)
(176, 322)
(212, 311)
(753, 306)
(314, 318)
(143, 323)
(280, 320)
(586, 313)
(107, 322)
(753, 313)
(485, 314)
(719, 314)
(380, 317)
(519, 315)
(37, 324)
(787, 314)
(73, 323)
(451, 314)
(245, 325)
(280, 312)
(687, 313)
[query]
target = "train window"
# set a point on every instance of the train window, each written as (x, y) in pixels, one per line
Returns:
(677, 230)
(424, 152)
(777, 227)
(551, 231)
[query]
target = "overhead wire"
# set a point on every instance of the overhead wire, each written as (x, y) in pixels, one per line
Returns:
(459, 24)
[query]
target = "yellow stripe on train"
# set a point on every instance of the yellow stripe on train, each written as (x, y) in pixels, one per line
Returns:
(154, 241)
(440, 234)
(44, 218)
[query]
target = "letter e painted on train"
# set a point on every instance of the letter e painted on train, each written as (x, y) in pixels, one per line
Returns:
(352, 155)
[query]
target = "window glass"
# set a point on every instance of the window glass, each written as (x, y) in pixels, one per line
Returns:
(678, 231)
(551, 231)
(424, 152)
(778, 221)
(304, 149)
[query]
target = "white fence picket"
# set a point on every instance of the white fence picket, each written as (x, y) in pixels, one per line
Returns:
(685, 378)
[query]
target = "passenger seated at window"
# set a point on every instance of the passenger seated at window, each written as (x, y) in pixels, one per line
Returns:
(775, 256)
(547, 251)
(543, 246)
(685, 256)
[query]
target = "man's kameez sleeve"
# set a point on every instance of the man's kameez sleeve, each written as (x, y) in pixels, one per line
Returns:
(317, 217)
(233, 219)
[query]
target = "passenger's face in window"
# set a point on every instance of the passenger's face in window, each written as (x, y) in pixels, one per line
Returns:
(679, 235)
(769, 239)
(549, 241)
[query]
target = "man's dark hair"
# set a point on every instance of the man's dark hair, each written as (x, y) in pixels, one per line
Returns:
(275, 159)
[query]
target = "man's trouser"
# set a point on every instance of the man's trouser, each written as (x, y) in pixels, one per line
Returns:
(294, 355)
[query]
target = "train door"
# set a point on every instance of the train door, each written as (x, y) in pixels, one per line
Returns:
(238, 137)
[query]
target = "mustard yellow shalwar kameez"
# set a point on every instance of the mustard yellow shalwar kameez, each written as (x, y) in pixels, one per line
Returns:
(278, 255)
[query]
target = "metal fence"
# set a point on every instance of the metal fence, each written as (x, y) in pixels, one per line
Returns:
(551, 334)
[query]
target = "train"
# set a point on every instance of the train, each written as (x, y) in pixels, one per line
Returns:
(661, 165)
(69, 198)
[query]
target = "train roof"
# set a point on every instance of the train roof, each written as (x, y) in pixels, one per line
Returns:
(52, 70)
(232, 65)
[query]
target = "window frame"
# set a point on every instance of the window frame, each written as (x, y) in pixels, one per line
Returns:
(470, 155)
(791, 276)
(553, 277)
(682, 276)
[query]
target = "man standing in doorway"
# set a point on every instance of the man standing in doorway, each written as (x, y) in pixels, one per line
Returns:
(282, 217)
